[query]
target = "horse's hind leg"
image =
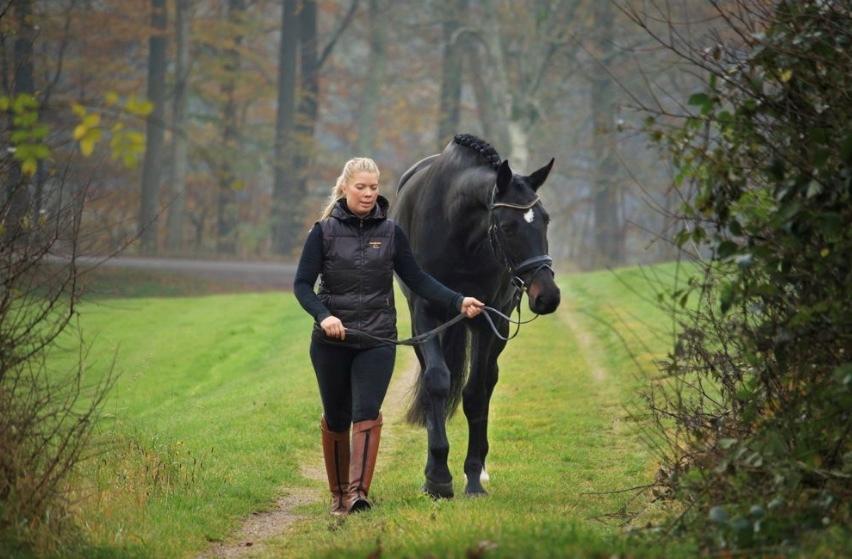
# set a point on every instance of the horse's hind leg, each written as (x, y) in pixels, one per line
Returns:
(477, 396)
(436, 384)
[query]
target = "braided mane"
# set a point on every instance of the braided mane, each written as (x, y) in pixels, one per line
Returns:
(485, 149)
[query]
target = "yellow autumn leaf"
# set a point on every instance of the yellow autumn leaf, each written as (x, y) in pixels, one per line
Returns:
(92, 120)
(87, 146)
(80, 131)
(78, 109)
(786, 75)
(139, 107)
(4, 103)
(88, 141)
(111, 98)
(28, 166)
(824, 252)
(137, 139)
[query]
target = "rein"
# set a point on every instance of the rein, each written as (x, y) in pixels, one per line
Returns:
(422, 337)
(535, 263)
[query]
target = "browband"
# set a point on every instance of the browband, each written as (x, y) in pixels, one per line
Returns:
(516, 206)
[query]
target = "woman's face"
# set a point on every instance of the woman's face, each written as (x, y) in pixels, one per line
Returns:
(362, 192)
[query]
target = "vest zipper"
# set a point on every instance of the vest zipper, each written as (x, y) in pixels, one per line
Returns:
(361, 275)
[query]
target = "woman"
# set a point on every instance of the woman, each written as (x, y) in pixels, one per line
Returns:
(356, 249)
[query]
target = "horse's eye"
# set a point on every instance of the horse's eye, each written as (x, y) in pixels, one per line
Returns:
(509, 228)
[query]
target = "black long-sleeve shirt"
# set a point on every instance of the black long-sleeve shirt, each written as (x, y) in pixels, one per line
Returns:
(404, 264)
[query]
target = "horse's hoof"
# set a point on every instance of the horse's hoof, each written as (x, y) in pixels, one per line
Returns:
(475, 492)
(475, 489)
(438, 490)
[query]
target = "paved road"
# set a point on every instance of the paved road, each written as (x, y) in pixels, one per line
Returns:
(268, 274)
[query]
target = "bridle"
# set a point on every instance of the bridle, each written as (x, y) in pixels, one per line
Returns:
(498, 244)
(532, 264)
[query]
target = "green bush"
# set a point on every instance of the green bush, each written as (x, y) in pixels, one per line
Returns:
(755, 403)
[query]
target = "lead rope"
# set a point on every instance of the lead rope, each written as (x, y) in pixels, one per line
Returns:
(424, 336)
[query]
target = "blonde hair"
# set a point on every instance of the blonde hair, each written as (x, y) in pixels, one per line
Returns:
(354, 165)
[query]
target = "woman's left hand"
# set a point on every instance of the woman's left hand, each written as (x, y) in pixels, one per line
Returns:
(471, 306)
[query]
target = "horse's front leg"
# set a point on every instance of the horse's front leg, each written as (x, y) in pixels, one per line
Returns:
(436, 391)
(486, 347)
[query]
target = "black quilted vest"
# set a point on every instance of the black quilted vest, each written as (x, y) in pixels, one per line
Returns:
(356, 284)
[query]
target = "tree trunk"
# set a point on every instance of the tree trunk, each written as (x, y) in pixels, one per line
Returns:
(177, 206)
(18, 184)
(365, 144)
(4, 65)
(226, 231)
(451, 71)
(609, 235)
(492, 132)
(302, 140)
(154, 129)
(306, 120)
(282, 224)
(500, 92)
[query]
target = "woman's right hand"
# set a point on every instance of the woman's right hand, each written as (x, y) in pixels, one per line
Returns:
(333, 328)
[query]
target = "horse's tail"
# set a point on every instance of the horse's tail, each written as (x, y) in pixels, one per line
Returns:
(454, 342)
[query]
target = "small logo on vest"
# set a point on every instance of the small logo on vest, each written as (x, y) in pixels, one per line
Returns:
(375, 244)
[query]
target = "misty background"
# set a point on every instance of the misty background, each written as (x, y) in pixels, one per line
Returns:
(217, 127)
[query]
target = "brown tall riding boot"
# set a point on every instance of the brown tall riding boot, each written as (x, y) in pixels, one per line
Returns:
(365, 448)
(335, 449)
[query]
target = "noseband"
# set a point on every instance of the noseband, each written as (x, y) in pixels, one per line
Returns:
(498, 244)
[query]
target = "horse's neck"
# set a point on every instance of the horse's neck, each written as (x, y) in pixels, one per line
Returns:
(468, 201)
(468, 216)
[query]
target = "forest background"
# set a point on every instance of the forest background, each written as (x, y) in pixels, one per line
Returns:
(214, 128)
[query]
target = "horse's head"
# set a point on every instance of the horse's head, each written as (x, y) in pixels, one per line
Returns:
(518, 230)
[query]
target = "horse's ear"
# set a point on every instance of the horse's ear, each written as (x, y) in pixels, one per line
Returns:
(504, 176)
(537, 179)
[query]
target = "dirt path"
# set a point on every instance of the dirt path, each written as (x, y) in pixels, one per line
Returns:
(586, 340)
(264, 525)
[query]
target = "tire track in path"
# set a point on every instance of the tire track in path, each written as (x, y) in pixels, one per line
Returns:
(587, 342)
(262, 526)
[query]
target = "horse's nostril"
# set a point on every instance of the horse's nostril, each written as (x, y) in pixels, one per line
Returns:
(545, 303)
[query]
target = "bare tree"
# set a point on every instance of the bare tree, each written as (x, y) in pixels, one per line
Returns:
(18, 197)
(155, 130)
(609, 230)
(177, 206)
(452, 12)
(371, 96)
(282, 158)
(226, 221)
(301, 148)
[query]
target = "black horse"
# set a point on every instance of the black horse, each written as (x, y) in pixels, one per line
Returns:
(481, 230)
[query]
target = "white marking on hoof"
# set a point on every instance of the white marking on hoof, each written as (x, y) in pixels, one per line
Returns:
(483, 476)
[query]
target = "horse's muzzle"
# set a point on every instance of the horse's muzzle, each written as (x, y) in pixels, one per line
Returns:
(543, 295)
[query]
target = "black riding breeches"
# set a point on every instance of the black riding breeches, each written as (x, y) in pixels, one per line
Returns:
(352, 382)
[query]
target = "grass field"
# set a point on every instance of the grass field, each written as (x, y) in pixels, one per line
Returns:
(215, 416)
